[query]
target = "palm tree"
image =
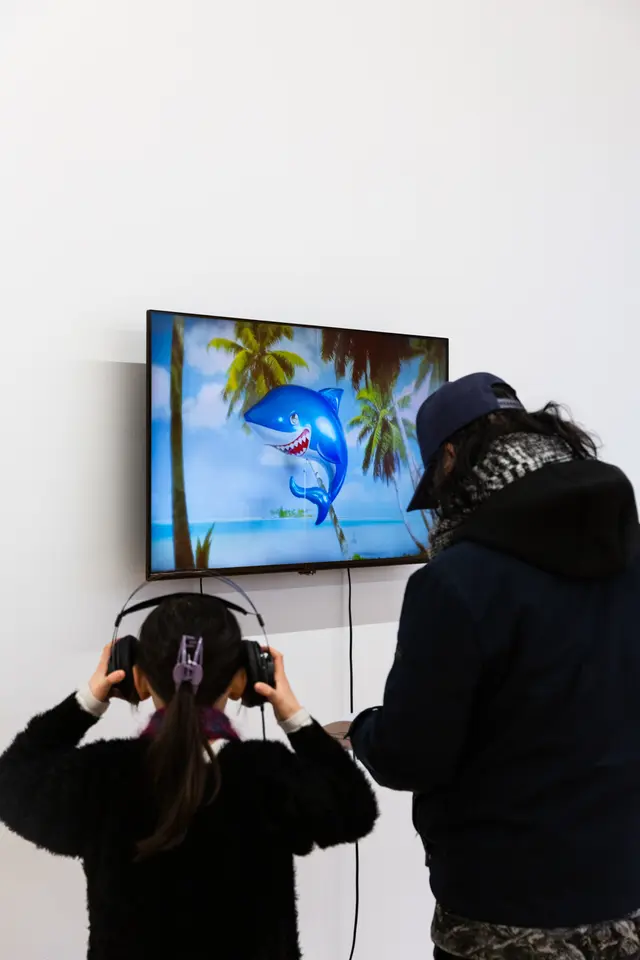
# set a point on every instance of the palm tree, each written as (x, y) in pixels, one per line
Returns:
(433, 360)
(258, 364)
(182, 548)
(372, 357)
(433, 363)
(377, 358)
(385, 449)
(257, 367)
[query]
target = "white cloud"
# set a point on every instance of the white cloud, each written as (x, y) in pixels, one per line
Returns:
(198, 335)
(307, 377)
(352, 438)
(367, 493)
(355, 491)
(160, 391)
(271, 457)
(206, 411)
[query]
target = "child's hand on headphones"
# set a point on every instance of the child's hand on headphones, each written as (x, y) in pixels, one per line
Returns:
(101, 684)
(281, 697)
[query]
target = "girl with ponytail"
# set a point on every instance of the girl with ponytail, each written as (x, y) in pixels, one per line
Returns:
(186, 834)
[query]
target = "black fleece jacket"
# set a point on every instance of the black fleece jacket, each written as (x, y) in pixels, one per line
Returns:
(512, 711)
(228, 891)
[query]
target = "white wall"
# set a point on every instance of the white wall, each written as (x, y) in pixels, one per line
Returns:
(462, 168)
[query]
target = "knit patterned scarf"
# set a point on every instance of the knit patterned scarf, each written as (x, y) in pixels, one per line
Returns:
(509, 458)
(215, 725)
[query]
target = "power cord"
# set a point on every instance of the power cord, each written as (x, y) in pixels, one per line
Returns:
(351, 670)
(356, 914)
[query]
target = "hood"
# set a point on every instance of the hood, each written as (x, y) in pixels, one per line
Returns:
(576, 519)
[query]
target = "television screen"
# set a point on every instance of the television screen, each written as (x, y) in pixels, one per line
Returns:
(278, 446)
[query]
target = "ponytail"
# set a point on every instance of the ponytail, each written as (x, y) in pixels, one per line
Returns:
(183, 769)
(180, 761)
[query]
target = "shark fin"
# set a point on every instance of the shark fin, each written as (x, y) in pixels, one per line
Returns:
(333, 395)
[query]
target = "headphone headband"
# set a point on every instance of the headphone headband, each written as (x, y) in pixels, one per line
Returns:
(156, 601)
(258, 661)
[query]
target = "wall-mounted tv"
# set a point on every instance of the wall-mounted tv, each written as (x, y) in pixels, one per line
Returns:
(283, 447)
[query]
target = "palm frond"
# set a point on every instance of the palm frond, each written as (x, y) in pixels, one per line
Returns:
(203, 549)
(261, 386)
(433, 359)
(247, 337)
(368, 455)
(355, 422)
(221, 343)
(409, 428)
(235, 397)
(238, 367)
(398, 444)
(294, 359)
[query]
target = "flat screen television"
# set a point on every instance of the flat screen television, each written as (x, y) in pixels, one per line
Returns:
(282, 447)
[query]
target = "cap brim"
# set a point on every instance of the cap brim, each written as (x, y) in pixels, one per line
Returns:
(421, 499)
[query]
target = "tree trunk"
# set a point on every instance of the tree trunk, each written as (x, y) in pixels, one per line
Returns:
(342, 540)
(182, 547)
(419, 545)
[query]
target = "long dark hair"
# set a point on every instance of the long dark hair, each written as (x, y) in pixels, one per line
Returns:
(448, 487)
(183, 767)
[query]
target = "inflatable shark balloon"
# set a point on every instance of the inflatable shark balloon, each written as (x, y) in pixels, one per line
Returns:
(304, 423)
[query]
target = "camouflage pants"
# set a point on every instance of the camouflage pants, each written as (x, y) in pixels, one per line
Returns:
(616, 940)
(441, 955)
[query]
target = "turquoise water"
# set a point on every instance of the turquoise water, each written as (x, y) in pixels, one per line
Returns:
(248, 543)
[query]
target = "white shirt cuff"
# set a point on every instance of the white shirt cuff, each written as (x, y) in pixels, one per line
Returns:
(296, 722)
(90, 704)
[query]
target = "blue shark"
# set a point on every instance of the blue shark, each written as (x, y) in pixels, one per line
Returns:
(305, 423)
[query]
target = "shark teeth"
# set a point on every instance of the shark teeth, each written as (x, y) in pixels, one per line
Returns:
(298, 447)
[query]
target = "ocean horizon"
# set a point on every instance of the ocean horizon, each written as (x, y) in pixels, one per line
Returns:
(287, 540)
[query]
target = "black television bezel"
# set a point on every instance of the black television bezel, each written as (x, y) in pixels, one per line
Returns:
(304, 568)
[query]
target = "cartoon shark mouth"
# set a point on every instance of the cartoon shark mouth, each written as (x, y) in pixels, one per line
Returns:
(298, 447)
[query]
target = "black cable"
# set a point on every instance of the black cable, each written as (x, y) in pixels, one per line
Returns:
(356, 914)
(351, 670)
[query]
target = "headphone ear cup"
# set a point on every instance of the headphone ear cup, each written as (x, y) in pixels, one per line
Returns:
(259, 666)
(123, 657)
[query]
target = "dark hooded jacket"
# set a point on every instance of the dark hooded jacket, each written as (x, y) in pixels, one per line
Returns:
(512, 711)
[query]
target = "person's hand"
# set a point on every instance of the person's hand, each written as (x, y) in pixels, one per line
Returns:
(339, 730)
(281, 696)
(101, 683)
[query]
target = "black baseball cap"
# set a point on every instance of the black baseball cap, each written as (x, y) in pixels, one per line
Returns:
(454, 406)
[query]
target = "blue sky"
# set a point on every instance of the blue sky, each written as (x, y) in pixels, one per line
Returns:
(232, 475)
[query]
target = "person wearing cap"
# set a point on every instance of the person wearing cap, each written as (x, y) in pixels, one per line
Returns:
(512, 710)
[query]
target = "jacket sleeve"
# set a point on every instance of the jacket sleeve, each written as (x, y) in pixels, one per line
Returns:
(414, 740)
(47, 783)
(317, 796)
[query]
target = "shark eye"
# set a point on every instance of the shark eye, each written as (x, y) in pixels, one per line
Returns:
(295, 420)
